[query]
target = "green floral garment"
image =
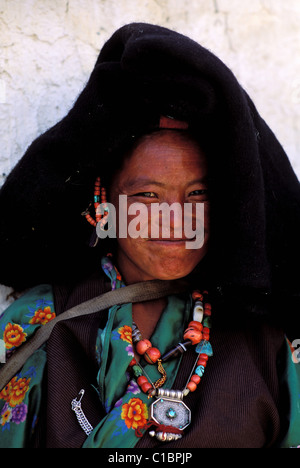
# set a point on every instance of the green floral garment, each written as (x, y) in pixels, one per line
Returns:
(20, 400)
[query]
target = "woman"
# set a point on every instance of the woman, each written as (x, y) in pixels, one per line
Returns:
(161, 121)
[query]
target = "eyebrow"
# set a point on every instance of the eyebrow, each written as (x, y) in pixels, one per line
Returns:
(202, 181)
(142, 181)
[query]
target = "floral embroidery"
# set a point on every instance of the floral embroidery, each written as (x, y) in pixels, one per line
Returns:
(133, 387)
(134, 413)
(6, 414)
(42, 316)
(41, 313)
(126, 333)
(13, 336)
(14, 410)
(15, 391)
(19, 413)
(112, 272)
(18, 408)
(129, 350)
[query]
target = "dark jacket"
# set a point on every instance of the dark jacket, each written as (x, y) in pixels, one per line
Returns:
(241, 402)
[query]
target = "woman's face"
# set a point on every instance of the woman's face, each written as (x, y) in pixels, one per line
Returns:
(165, 167)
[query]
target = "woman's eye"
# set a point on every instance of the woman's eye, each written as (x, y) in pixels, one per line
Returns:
(198, 192)
(146, 194)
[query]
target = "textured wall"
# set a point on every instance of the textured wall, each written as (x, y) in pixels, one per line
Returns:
(48, 49)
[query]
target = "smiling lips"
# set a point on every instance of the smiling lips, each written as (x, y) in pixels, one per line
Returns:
(170, 242)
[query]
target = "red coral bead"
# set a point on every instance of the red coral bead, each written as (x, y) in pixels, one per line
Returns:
(142, 380)
(142, 346)
(204, 356)
(196, 379)
(192, 334)
(196, 325)
(192, 386)
(201, 362)
(132, 362)
(196, 295)
(152, 355)
(146, 387)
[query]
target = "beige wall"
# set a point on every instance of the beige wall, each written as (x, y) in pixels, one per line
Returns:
(48, 49)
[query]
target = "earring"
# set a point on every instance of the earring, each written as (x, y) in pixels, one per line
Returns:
(99, 195)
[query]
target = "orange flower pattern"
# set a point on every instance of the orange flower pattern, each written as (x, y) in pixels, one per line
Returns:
(14, 392)
(14, 410)
(42, 316)
(134, 413)
(126, 333)
(6, 416)
(13, 335)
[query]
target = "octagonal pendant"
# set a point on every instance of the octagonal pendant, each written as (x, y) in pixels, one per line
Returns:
(171, 412)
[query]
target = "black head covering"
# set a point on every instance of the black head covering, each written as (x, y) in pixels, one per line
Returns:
(142, 72)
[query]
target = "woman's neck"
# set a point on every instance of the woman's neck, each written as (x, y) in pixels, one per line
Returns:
(147, 314)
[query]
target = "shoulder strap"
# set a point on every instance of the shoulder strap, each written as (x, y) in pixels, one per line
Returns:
(138, 292)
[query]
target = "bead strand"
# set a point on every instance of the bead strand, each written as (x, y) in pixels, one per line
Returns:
(97, 191)
(141, 380)
(99, 195)
(195, 333)
(203, 357)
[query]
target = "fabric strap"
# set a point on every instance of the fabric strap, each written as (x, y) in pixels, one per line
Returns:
(139, 292)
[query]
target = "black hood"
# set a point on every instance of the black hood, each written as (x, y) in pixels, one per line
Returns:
(142, 72)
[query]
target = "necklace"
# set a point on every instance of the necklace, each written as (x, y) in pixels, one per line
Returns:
(169, 414)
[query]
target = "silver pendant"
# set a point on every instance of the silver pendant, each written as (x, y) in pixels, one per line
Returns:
(169, 411)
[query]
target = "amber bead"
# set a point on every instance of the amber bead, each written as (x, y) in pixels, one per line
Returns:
(152, 355)
(142, 346)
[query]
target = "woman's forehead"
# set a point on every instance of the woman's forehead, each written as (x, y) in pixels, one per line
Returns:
(165, 151)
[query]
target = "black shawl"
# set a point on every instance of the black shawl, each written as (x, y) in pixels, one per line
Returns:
(142, 72)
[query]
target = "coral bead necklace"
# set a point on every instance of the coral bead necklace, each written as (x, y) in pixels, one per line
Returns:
(169, 413)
